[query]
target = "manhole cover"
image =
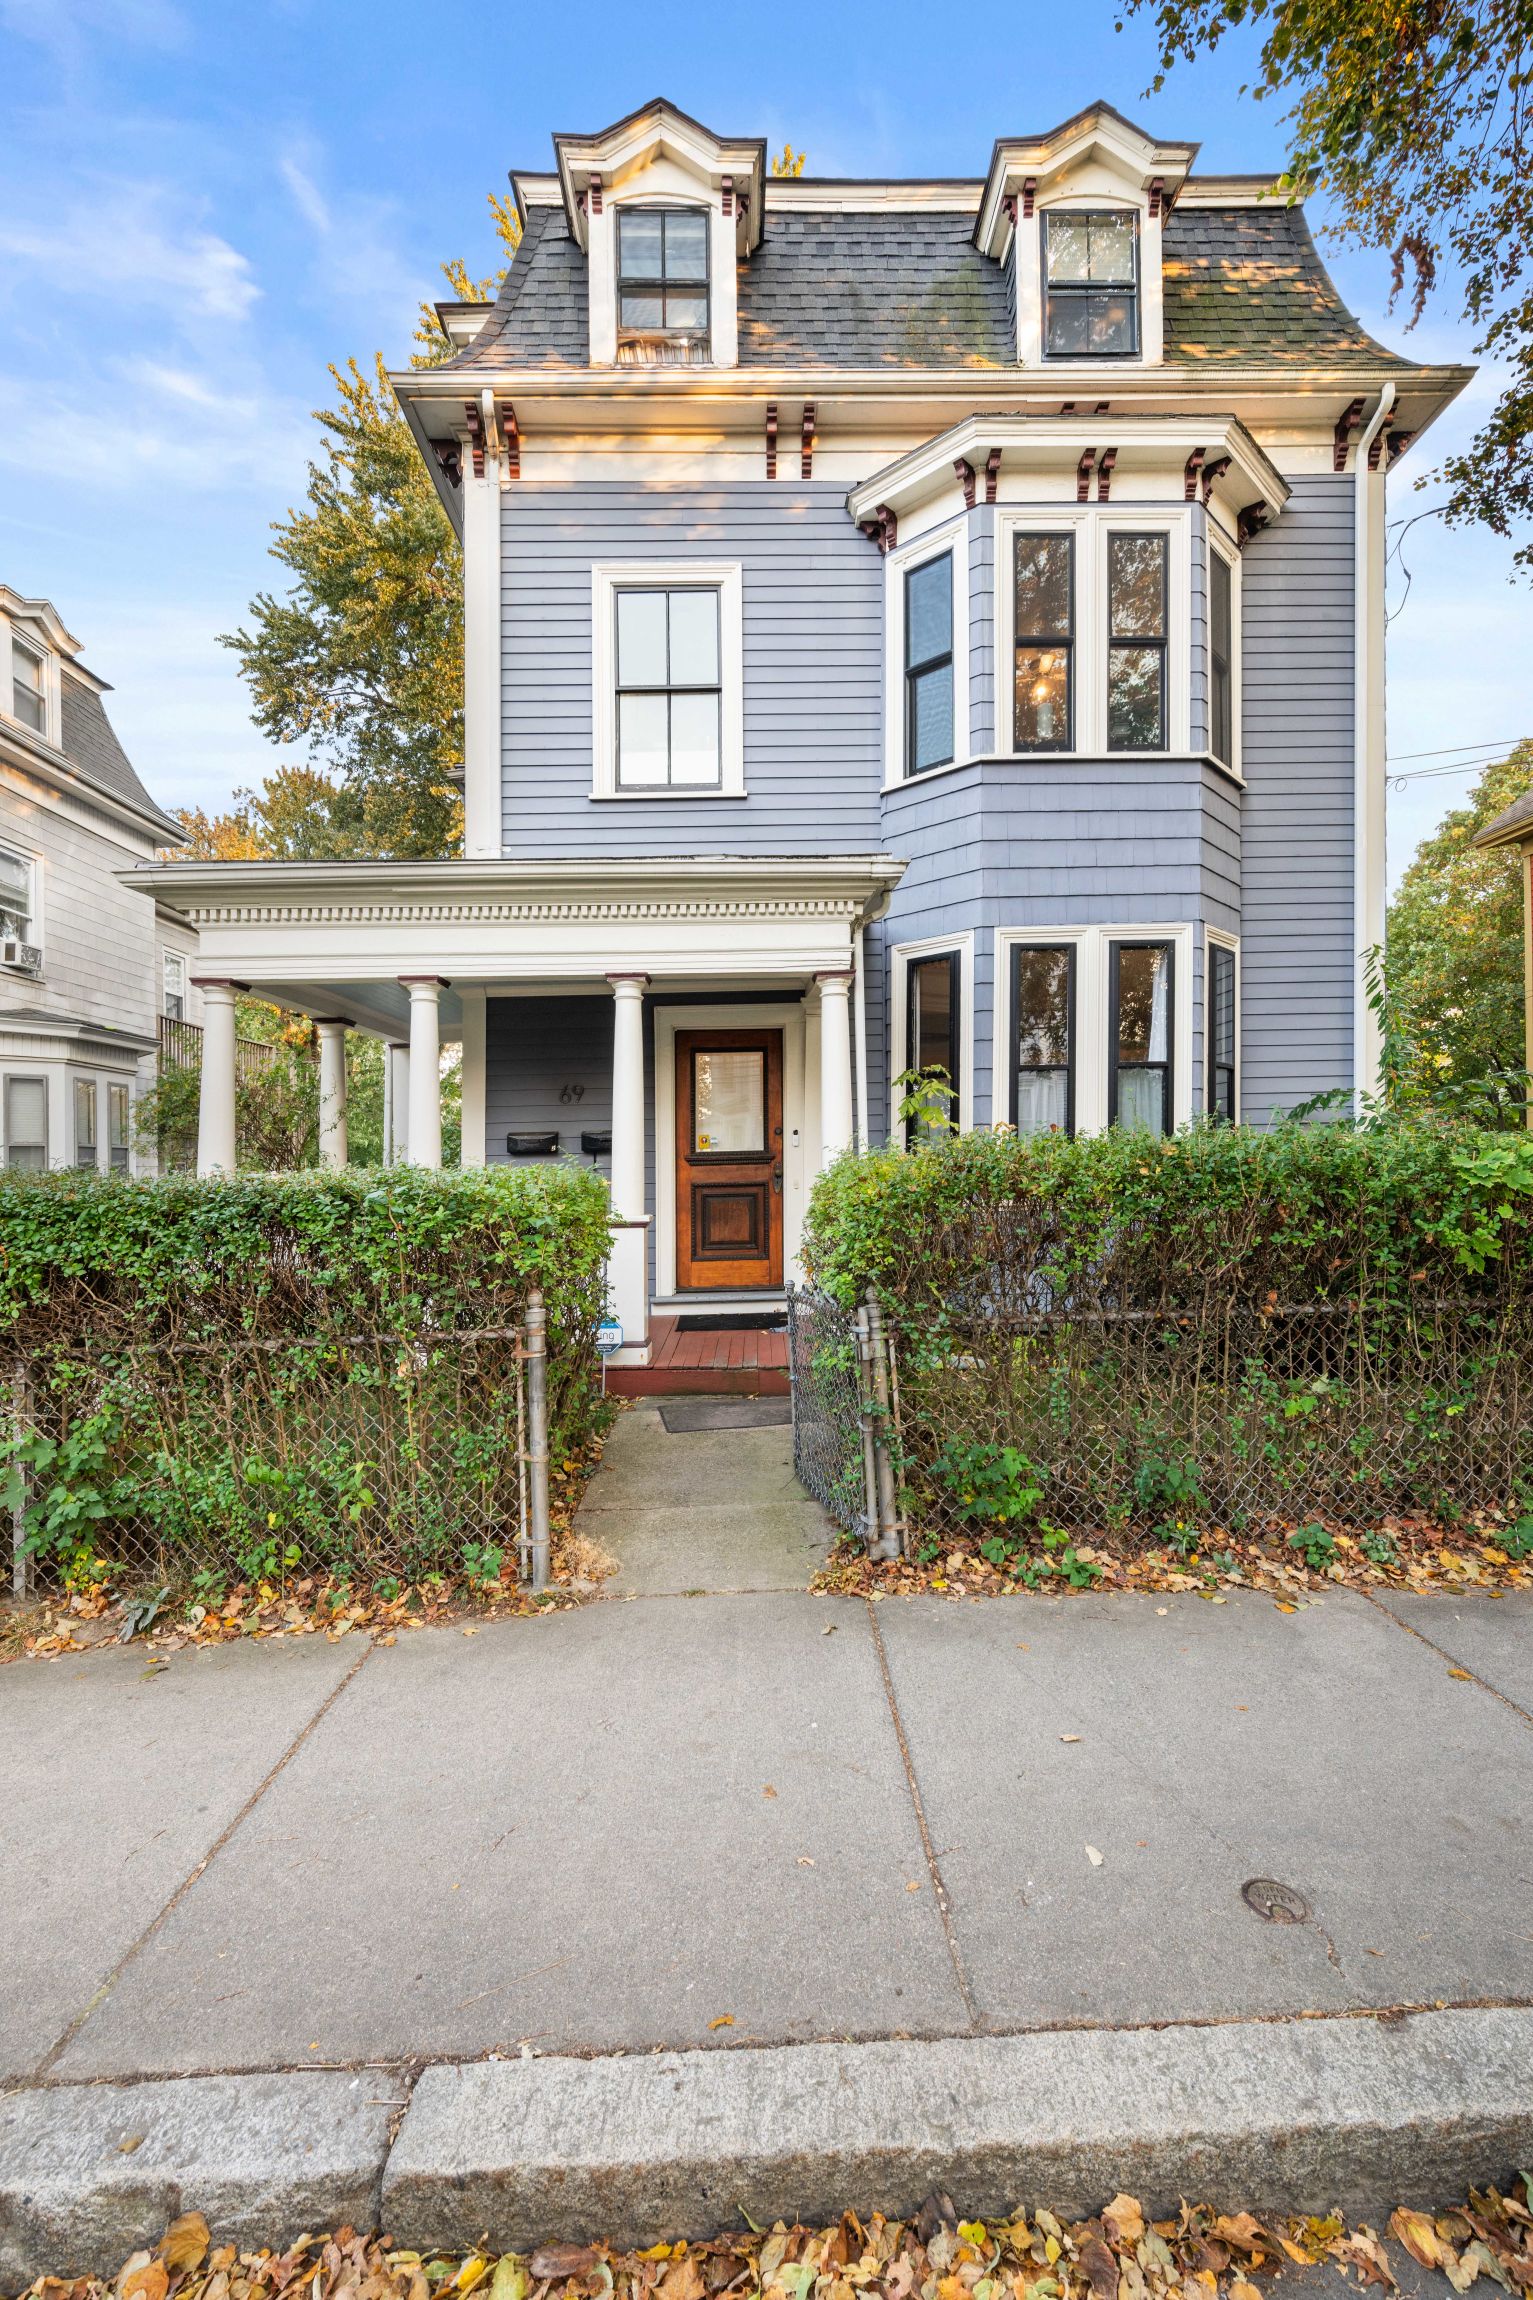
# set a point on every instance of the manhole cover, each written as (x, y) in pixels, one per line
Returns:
(1278, 1904)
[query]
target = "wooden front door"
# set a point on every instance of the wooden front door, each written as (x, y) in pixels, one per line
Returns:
(728, 1158)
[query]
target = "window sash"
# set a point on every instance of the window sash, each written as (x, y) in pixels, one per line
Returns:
(1223, 987)
(85, 1122)
(1030, 642)
(118, 1112)
(664, 287)
(929, 676)
(15, 895)
(1221, 662)
(29, 686)
(1067, 303)
(1151, 1069)
(669, 692)
(1152, 644)
(26, 1123)
(917, 1055)
(1059, 1075)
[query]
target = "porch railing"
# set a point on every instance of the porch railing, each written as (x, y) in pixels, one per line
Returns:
(181, 1049)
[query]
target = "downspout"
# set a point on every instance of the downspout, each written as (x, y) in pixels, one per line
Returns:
(1369, 785)
(482, 763)
(860, 1072)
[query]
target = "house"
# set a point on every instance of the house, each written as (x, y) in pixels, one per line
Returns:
(88, 965)
(909, 625)
(1514, 829)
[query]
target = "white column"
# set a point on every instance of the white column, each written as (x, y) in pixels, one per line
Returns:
(425, 1094)
(481, 657)
(396, 1094)
(628, 1270)
(215, 1108)
(835, 1065)
(474, 1005)
(333, 1146)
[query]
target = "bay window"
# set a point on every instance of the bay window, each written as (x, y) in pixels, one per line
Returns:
(933, 1009)
(1090, 284)
(1043, 1034)
(26, 1123)
(85, 1123)
(1139, 1035)
(929, 716)
(1136, 642)
(1221, 659)
(119, 1108)
(1044, 627)
(1222, 1094)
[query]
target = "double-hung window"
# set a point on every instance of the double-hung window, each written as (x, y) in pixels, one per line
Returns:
(1222, 1093)
(1139, 1035)
(662, 271)
(1044, 626)
(29, 686)
(1043, 1026)
(1090, 284)
(929, 731)
(1136, 642)
(933, 1010)
(174, 1006)
(86, 1141)
(119, 1107)
(669, 692)
(1221, 659)
(15, 897)
(26, 1122)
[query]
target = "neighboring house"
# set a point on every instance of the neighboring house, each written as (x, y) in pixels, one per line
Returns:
(908, 624)
(87, 964)
(1514, 828)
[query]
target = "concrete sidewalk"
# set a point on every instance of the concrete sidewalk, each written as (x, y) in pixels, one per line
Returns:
(761, 1817)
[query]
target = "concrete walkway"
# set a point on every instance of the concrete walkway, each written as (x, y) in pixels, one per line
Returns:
(759, 1815)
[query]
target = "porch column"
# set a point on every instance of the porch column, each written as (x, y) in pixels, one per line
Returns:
(475, 1021)
(425, 1096)
(333, 1146)
(835, 1065)
(396, 1102)
(215, 1103)
(628, 1270)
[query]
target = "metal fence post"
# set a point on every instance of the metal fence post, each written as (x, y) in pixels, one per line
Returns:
(537, 1435)
(888, 1544)
(21, 1556)
(867, 1414)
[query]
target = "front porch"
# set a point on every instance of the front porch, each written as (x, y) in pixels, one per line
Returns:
(695, 1027)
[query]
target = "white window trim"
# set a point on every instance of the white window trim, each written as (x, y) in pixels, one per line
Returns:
(1027, 258)
(662, 182)
(900, 955)
(34, 863)
(30, 1074)
(1231, 942)
(1091, 945)
(724, 576)
(1222, 546)
(1091, 525)
(952, 536)
(11, 640)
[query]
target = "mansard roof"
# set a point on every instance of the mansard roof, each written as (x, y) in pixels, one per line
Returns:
(903, 286)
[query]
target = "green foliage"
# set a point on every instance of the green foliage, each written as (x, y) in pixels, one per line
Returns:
(1415, 120)
(1517, 1540)
(1168, 1488)
(926, 1104)
(1379, 1549)
(989, 1484)
(1315, 1545)
(1455, 943)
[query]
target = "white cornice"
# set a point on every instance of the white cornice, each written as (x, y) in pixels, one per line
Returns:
(44, 614)
(1097, 135)
(658, 128)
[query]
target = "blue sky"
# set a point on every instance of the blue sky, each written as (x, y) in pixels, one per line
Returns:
(201, 205)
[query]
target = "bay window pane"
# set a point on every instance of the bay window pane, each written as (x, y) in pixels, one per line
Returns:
(1043, 585)
(1221, 659)
(85, 1122)
(1136, 586)
(932, 1028)
(694, 638)
(26, 1122)
(1043, 699)
(1043, 1101)
(1043, 1008)
(1144, 1002)
(118, 1109)
(929, 611)
(641, 639)
(642, 739)
(1135, 712)
(931, 718)
(694, 739)
(1142, 1099)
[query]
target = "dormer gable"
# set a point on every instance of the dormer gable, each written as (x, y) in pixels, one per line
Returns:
(1078, 215)
(665, 210)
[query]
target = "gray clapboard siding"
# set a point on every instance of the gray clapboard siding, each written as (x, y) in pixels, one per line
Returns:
(984, 700)
(1297, 920)
(538, 1050)
(813, 615)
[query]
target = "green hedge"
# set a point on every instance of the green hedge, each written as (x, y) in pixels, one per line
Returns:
(274, 1374)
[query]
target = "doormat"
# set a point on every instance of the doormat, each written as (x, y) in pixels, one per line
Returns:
(732, 1322)
(684, 1417)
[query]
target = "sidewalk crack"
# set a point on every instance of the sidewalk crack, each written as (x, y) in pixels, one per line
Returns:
(1453, 1659)
(57, 2050)
(944, 1905)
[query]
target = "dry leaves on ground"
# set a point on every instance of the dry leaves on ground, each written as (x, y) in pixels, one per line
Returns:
(1119, 2255)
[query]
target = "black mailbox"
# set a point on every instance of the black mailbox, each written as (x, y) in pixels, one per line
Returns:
(597, 1145)
(532, 1145)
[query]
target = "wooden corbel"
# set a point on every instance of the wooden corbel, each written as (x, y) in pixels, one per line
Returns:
(512, 437)
(593, 187)
(1104, 473)
(1190, 474)
(771, 439)
(1029, 188)
(992, 473)
(1346, 423)
(729, 195)
(475, 435)
(1083, 476)
(806, 442)
(1250, 522)
(881, 527)
(1212, 472)
(965, 471)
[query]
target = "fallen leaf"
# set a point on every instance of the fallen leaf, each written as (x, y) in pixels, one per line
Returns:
(1463, 1675)
(1421, 2240)
(914, 1886)
(184, 2245)
(769, 1791)
(830, 1629)
(683, 2280)
(126, 2147)
(725, 2020)
(151, 2281)
(558, 2260)
(510, 2281)
(1123, 2220)
(1101, 2268)
(1093, 1856)
(804, 1861)
(1069, 1736)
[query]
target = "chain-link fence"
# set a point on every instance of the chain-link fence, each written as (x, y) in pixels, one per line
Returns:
(362, 1456)
(842, 1450)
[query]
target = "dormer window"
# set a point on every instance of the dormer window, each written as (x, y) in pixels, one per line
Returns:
(662, 272)
(29, 686)
(1090, 284)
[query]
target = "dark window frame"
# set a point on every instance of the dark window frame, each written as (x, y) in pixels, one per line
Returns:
(1072, 291)
(1133, 645)
(1072, 1062)
(1223, 1086)
(666, 591)
(953, 960)
(1221, 662)
(1115, 948)
(637, 283)
(915, 672)
(1036, 640)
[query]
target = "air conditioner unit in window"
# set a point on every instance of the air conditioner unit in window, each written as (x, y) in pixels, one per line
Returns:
(25, 955)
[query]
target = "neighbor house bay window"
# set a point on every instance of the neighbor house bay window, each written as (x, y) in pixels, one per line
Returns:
(1221, 660)
(662, 271)
(668, 689)
(1090, 285)
(1139, 1035)
(1043, 1023)
(85, 1122)
(1221, 1032)
(119, 1110)
(932, 1008)
(1136, 642)
(1044, 626)
(929, 665)
(26, 1122)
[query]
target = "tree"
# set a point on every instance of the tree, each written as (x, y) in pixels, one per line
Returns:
(1417, 119)
(1454, 955)
(362, 658)
(297, 815)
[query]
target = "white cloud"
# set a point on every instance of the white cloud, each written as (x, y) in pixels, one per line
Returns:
(356, 256)
(71, 29)
(145, 423)
(125, 241)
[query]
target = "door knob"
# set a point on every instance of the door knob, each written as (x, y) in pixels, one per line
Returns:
(777, 1179)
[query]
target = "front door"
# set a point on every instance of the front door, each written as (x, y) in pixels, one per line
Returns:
(728, 1158)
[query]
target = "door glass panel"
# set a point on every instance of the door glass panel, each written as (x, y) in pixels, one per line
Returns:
(728, 1100)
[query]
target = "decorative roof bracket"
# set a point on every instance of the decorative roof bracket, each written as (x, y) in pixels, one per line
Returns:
(1104, 474)
(1346, 423)
(965, 471)
(806, 442)
(1083, 476)
(992, 473)
(771, 439)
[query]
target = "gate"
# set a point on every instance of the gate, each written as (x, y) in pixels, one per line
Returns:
(838, 1376)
